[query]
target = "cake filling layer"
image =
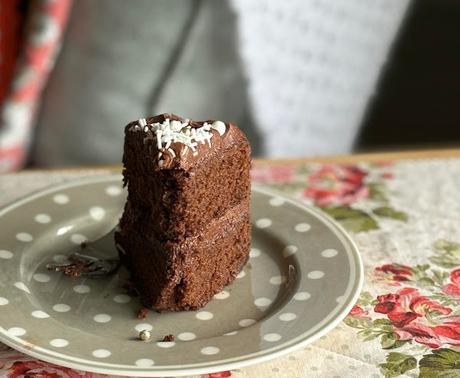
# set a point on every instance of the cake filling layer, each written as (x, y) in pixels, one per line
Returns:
(184, 275)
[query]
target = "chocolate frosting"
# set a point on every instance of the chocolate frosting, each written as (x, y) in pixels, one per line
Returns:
(184, 157)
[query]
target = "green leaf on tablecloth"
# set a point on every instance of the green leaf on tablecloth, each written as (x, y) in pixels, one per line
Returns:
(357, 322)
(420, 268)
(382, 321)
(440, 363)
(391, 341)
(352, 219)
(365, 299)
(397, 364)
(377, 191)
(425, 282)
(303, 169)
(371, 336)
(447, 254)
(439, 277)
(388, 212)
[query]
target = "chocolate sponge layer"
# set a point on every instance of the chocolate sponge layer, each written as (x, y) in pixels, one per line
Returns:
(185, 275)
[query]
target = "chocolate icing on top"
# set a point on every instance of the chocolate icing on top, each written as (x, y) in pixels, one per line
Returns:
(176, 142)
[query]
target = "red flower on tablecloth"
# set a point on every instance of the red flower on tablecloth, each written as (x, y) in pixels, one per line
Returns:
(453, 288)
(276, 174)
(39, 369)
(221, 374)
(393, 274)
(358, 311)
(420, 318)
(337, 185)
(388, 175)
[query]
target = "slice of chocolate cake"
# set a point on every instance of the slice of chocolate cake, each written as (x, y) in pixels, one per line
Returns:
(185, 231)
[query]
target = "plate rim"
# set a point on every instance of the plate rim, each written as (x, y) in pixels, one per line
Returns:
(215, 366)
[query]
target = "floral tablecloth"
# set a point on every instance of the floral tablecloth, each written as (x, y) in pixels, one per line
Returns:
(405, 218)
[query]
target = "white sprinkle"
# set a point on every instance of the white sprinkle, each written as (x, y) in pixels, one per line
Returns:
(219, 126)
(176, 125)
(160, 163)
(171, 152)
(184, 151)
(146, 128)
(172, 131)
(158, 135)
(142, 122)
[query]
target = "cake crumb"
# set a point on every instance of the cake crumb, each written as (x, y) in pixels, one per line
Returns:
(144, 335)
(168, 338)
(142, 313)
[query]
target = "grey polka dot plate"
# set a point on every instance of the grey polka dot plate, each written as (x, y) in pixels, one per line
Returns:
(303, 276)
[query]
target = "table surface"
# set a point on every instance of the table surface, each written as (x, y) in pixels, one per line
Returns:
(403, 211)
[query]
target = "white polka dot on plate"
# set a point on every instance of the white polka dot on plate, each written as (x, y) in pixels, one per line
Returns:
(262, 302)
(97, 213)
(143, 327)
(210, 350)
(186, 336)
(102, 318)
(277, 280)
(113, 190)
(263, 223)
(224, 294)
(230, 333)
(42, 218)
(302, 227)
(276, 201)
(287, 317)
(81, 289)
(246, 322)
(40, 314)
(166, 344)
(315, 274)
(272, 337)
(16, 331)
(101, 353)
(22, 286)
(241, 274)
(328, 253)
(4, 254)
(254, 252)
(144, 362)
(122, 298)
(24, 237)
(61, 199)
(302, 296)
(61, 307)
(3, 301)
(289, 250)
(59, 343)
(78, 238)
(204, 315)
(41, 277)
